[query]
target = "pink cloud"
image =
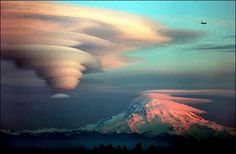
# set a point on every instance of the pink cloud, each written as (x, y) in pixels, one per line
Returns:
(60, 42)
(209, 92)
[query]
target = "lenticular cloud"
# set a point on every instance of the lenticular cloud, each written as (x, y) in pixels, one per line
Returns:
(62, 42)
(61, 67)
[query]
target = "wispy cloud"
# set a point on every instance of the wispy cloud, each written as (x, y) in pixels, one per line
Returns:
(226, 48)
(230, 36)
(181, 36)
(167, 95)
(208, 92)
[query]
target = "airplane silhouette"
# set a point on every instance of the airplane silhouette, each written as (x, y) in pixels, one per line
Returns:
(202, 22)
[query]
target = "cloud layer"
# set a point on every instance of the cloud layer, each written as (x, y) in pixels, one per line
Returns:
(207, 92)
(165, 95)
(60, 42)
(225, 48)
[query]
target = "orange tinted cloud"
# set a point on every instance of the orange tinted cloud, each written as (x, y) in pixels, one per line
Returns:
(59, 42)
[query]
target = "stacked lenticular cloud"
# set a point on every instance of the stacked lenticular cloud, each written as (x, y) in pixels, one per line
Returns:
(61, 67)
(59, 42)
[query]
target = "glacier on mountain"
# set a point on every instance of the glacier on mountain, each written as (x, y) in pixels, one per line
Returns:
(155, 114)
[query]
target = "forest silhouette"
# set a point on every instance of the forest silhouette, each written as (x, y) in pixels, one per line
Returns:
(190, 146)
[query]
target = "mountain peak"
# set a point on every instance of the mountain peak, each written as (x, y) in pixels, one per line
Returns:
(154, 114)
(162, 107)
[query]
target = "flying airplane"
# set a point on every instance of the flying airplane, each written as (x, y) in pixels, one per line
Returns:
(202, 22)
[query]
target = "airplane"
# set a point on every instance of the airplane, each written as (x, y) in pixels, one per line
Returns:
(202, 22)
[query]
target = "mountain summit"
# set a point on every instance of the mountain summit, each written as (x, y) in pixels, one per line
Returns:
(155, 114)
(151, 114)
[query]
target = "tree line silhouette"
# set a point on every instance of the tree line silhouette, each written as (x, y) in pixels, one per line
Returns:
(190, 147)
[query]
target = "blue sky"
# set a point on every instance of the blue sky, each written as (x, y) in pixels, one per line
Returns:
(184, 15)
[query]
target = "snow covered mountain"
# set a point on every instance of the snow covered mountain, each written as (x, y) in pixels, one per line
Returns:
(155, 114)
(151, 114)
